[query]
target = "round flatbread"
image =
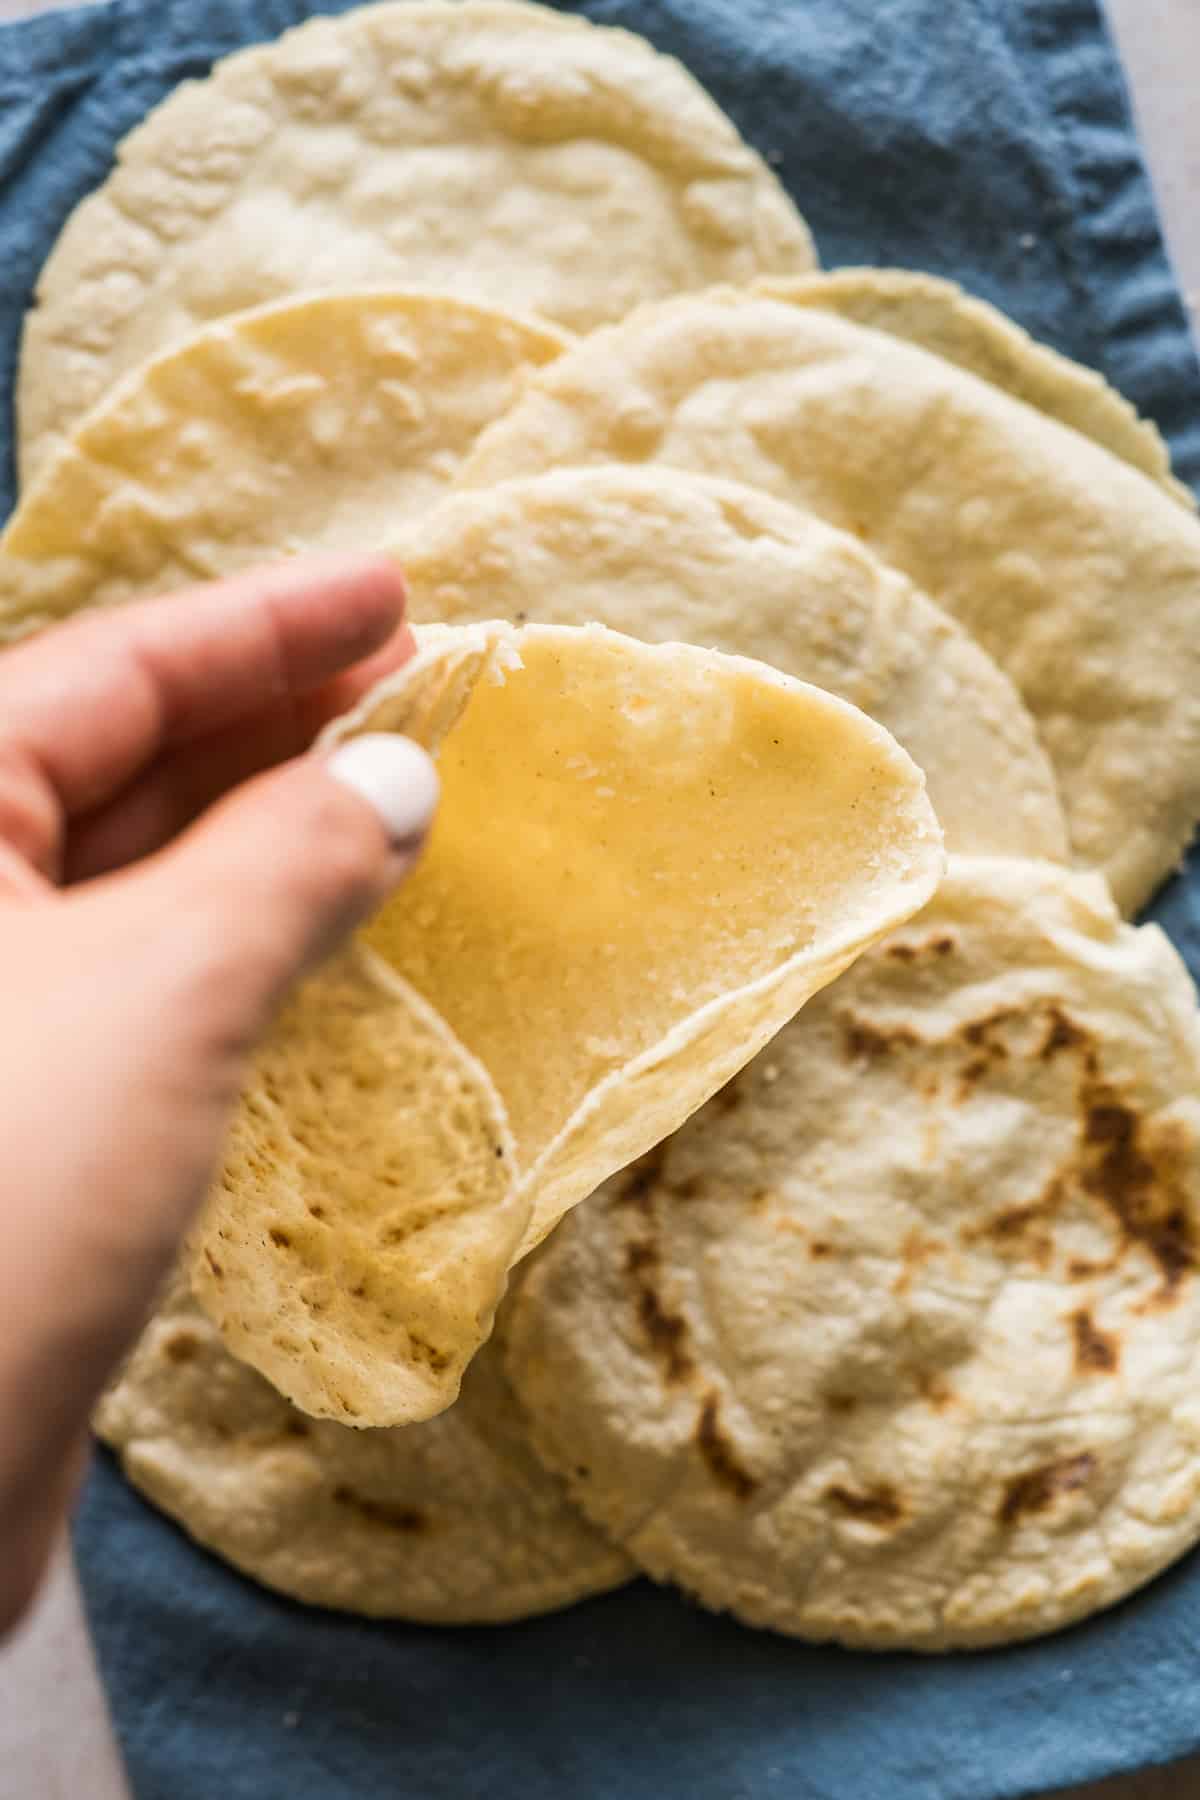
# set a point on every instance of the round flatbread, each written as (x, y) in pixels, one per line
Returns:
(302, 425)
(1077, 573)
(895, 1342)
(450, 1522)
(668, 556)
(940, 316)
(505, 151)
(645, 860)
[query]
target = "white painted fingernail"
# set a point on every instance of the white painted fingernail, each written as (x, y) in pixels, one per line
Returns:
(393, 775)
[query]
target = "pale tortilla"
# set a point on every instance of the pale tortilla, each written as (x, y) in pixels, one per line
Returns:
(940, 316)
(1076, 572)
(895, 1342)
(666, 556)
(646, 859)
(308, 424)
(450, 1522)
(505, 151)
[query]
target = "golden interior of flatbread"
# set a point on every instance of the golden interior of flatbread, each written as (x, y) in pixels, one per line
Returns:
(645, 860)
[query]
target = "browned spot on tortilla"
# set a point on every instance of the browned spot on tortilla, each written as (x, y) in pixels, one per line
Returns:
(1022, 1231)
(280, 1239)
(917, 1248)
(820, 1247)
(1096, 1352)
(719, 1453)
(637, 1183)
(1124, 1159)
(915, 1252)
(181, 1346)
(382, 1512)
(407, 1225)
(316, 1210)
(434, 1359)
(866, 1042)
(972, 1073)
(729, 1098)
(666, 1331)
(979, 1032)
(1062, 1033)
(358, 1291)
(1082, 1268)
(907, 952)
(935, 1390)
(213, 1264)
(878, 1505)
(1133, 1167)
(1011, 1222)
(986, 1048)
(841, 1403)
(1036, 1489)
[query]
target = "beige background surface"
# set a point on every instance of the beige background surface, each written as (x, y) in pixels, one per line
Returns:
(54, 1741)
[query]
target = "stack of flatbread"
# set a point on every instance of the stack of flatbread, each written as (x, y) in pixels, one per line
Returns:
(692, 1171)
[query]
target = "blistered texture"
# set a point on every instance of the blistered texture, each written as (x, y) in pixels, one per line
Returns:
(937, 315)
(506, 151)
(450, 1522)
(895, 1342)
(668, 556)
(1077, 573)
(361, 1229)
(303, 425)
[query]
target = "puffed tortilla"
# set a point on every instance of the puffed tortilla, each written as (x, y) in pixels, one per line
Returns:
(645, 860)
(939, 315)
(448, 1523)
(667, 556)
(895, 1342)
(300, 425)
(1077, 573)
(505, 151)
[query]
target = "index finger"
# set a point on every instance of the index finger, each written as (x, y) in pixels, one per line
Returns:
(88, 705)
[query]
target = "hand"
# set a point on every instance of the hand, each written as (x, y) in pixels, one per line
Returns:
(158, 895)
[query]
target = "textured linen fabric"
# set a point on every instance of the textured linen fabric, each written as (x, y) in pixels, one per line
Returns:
(989, 140)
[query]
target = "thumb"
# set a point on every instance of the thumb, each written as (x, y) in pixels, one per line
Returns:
(271, 879)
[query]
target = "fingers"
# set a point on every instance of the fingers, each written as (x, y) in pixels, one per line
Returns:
(176, 789)
(346, 689)
(271, 879)
(18, 879)
(86, 706)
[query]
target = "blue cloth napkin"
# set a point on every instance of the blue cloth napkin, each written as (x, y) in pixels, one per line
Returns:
(986, 139)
